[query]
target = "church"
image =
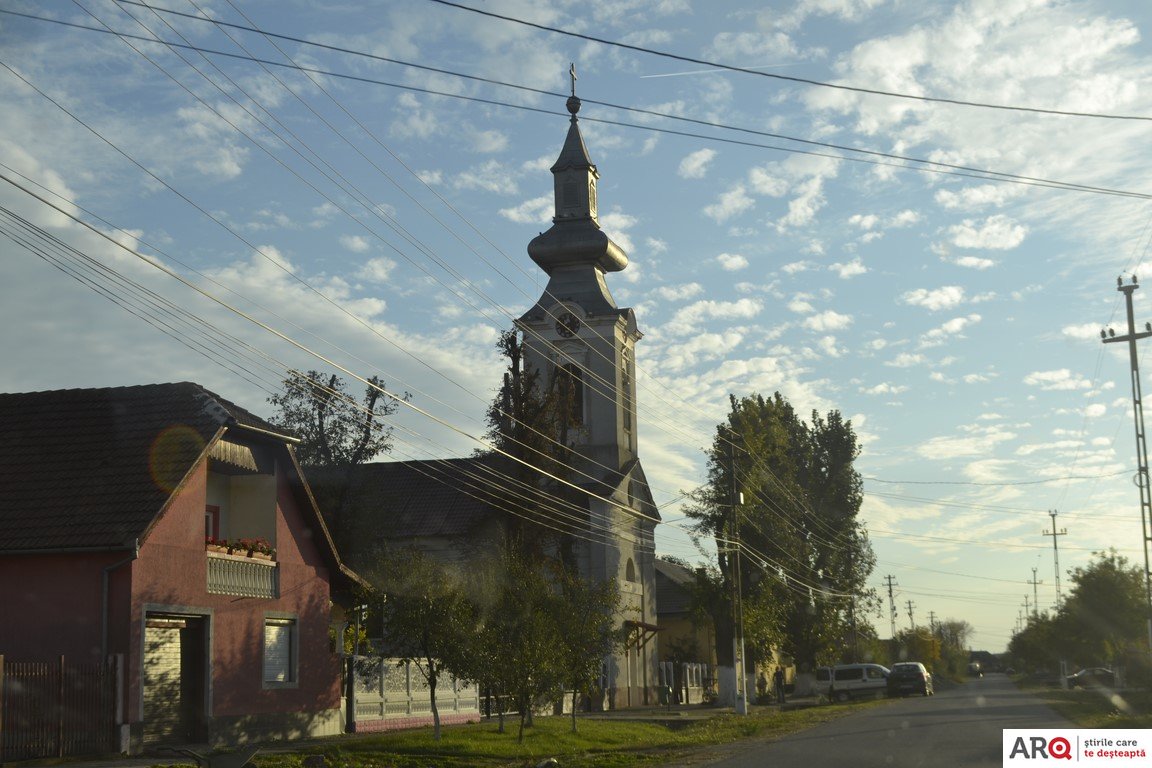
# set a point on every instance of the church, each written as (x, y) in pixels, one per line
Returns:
(574, 331)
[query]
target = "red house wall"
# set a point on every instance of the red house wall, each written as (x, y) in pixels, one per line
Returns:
(171, 573)
(50, 605)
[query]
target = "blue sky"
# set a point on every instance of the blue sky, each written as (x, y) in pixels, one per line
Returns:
(953, 318)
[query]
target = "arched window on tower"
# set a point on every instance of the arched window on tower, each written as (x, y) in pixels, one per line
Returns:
(630, 571)
(626, 391)
(570, 387)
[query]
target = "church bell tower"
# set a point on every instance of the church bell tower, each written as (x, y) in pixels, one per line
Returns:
(576, 325)
(576, 330)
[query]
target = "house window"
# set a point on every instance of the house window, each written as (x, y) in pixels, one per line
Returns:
(212, 522)
(281, 638)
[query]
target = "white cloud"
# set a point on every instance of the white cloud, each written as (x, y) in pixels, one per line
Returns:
(853, 268)
(489, 142)
(731, 203)
(732, 262)
(906, 360)
(973, 198)
(490, 176)
(679, 292)
(1058, 380)
(980, 442)
(796, 266)
(355, 243)
(953, 327)
(934, 300)
(376, 270)
(829, 320)
(1095, 410)
(884, 389)
(827, 345)
(995, 233)
(688, 319)
(1082, 332)
(973, 262)
(695, 165)
(800, 306)
(865, 222)
(538, 210)
(765, 182)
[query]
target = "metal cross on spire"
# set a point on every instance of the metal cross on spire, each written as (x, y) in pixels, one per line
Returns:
(572, 74)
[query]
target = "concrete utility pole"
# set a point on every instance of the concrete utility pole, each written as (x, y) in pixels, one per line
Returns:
(911, 621)
(932, 622)
(1056, 551)
(741, 691)
(1035, 595)
(1027, 609)
(891, 603)
(1109, 337)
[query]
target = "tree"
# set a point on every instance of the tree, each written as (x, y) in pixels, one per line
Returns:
(586, 625)
(335, 429)
(1104, 616)
(805, 556)
(531, 425)
(428, 619)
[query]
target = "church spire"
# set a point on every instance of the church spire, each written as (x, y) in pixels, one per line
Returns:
(575, 244)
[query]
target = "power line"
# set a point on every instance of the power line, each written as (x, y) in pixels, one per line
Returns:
(801, 80)
(922, 165)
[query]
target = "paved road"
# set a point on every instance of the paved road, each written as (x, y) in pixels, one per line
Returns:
(958, 727)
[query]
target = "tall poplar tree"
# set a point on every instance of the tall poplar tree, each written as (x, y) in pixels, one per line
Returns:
(805, 557)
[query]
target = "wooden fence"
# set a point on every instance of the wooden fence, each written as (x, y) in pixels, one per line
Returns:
(57, 709)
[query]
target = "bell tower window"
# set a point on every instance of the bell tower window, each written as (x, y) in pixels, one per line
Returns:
(570, 387)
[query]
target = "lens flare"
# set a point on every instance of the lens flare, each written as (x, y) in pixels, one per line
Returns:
(170, 455)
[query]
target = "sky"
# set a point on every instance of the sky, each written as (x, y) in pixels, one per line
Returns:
(366, 210)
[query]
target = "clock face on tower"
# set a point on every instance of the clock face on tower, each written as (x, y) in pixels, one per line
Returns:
(567, 325)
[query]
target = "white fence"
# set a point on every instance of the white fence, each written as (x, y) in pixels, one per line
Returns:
(388, 693)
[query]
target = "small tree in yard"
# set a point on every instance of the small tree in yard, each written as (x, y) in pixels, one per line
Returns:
(586, 623)
(428, 618)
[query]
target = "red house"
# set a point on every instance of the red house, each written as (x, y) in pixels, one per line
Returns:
(109, 496)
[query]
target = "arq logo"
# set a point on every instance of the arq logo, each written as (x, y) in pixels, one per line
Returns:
(1038, 747)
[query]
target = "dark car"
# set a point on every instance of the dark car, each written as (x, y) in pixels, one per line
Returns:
(1093, 677)
(907, 677)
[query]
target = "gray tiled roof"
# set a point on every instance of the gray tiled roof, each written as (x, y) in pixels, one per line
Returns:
(673, 588)
(92, 468)
(407, 499)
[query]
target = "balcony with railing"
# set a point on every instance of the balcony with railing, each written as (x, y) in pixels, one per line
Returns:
(242, 576)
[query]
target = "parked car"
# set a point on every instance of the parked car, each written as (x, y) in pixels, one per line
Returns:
(909, 677)
(853, 681)
(1093, 677)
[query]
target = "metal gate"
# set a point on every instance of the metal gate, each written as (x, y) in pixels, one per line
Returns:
(57, 709)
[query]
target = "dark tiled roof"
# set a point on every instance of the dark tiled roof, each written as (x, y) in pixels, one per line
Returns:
(673, 588)
(406, 499)
(91, 468)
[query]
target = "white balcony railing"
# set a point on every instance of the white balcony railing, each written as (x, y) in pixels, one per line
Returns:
(242, 576)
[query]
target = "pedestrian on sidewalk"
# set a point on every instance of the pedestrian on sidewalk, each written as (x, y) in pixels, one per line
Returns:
(778, 681)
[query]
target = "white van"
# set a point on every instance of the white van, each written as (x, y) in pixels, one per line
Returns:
(852, 681)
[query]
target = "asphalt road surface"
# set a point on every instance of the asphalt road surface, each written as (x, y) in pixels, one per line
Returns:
(957, 727)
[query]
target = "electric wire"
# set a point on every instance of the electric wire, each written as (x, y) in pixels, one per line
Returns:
(929, 166)
(800, 80)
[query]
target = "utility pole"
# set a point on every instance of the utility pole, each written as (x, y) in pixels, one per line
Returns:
(1035, 595)
(891, 603)
(1027, 606)
(932, 622)
(1056, 551)
(1109, 337)
(911, 621)
(741, 690)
